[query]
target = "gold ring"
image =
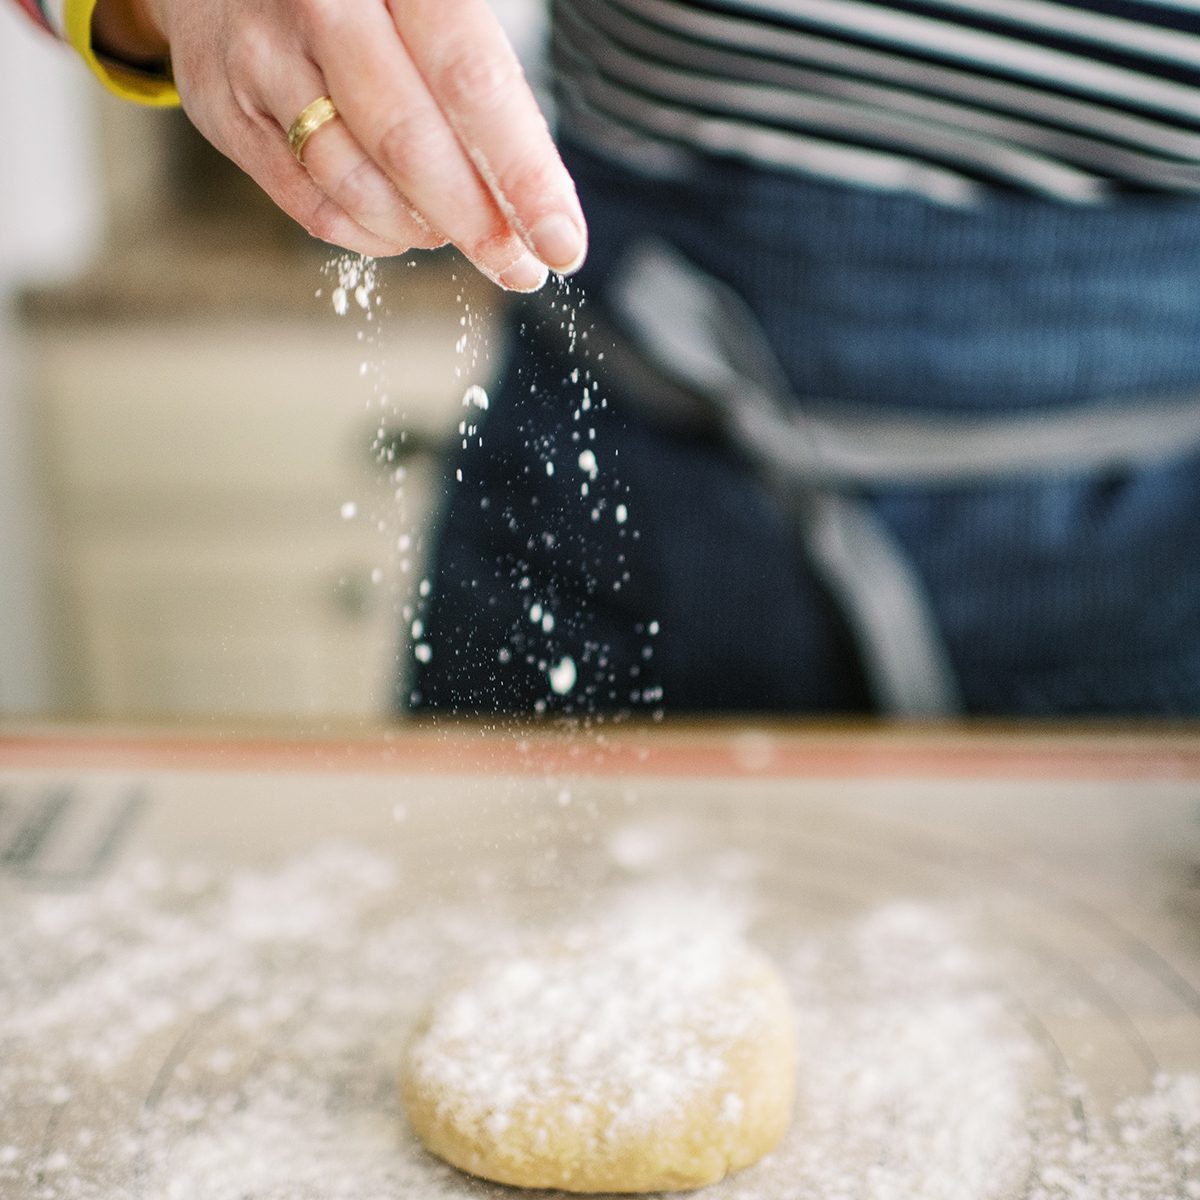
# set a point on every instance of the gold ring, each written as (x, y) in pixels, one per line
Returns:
(311, 118)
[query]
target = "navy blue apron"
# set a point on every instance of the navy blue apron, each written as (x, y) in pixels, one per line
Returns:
(594, 558)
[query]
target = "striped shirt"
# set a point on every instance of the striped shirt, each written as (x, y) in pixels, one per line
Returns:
(47, 13)
(1075, 101)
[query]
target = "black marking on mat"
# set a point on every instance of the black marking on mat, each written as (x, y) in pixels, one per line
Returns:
(42, 815)
(20, 855)
(111, 839)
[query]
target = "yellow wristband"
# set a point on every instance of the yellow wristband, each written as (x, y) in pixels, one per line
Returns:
(143, 87)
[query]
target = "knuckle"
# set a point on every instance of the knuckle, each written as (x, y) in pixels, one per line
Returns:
(409, 140)
(322, 18)
(361, 189)
(247, 105)
(475, 79)
(531, 178)
(249, 54)
(323, 220)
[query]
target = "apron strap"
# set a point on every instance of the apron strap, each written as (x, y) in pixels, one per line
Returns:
(900, 647)
(701, 334)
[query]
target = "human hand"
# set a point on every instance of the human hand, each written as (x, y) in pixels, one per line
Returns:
(439, 138)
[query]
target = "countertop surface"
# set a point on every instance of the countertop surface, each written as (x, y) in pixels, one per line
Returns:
(216, 946)
(769, 747)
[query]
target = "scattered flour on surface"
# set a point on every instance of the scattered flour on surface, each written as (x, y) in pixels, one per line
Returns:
(178, 1034)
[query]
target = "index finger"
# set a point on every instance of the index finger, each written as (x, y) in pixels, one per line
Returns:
(473, 74)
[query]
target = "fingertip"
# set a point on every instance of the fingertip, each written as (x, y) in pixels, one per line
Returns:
(560, 242)
(572, 268)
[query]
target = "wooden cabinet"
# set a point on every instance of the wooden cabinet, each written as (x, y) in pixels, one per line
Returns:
(226, 542)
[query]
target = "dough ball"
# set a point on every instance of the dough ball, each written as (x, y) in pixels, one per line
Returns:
(620, 1058)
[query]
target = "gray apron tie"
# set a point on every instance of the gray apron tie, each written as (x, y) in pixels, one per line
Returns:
(685, 348)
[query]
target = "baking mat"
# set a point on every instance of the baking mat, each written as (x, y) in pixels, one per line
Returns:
(207, 978)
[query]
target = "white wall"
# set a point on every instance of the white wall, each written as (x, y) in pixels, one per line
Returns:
(49, 221)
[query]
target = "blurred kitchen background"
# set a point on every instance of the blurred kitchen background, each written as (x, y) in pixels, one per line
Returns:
(214, 491)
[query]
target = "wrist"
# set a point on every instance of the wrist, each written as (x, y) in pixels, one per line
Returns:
(129, 31)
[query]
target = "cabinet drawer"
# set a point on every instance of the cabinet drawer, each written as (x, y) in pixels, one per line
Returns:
(270, 628)
(275, 408)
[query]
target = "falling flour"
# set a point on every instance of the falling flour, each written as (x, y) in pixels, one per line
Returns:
(355, 279)
(179, 1034)
(563, 675)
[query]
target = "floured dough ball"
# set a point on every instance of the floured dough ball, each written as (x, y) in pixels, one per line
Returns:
(619, 1057)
